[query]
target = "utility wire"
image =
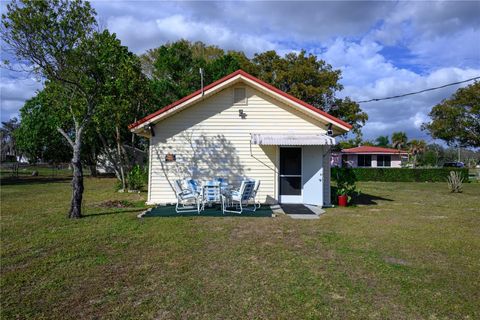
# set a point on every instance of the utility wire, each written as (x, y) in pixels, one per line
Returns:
(417, 92)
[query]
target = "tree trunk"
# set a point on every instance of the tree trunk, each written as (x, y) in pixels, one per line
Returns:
(77, 183)
(93, 170)
(120, 158)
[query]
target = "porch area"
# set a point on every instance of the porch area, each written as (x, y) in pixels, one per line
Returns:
(215, 211)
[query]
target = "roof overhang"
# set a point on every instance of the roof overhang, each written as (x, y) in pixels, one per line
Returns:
(374, 153)
(141, 126)
(292, 139)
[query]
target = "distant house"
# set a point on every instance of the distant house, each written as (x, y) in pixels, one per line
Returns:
(237, 127)
(369, 157)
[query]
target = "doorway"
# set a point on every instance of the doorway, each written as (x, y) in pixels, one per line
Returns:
(290, 177)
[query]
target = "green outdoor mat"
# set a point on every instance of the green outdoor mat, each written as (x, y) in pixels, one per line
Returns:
(169, 211)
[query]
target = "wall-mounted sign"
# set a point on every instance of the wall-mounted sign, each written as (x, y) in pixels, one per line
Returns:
(170, 157)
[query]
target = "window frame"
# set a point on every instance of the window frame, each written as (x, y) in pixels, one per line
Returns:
(243, 103)
(364, 156)
(383, 162)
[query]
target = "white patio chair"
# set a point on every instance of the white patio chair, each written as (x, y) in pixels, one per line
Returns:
(193, 186)
(211, 193)
(239, 199)
(187, 200)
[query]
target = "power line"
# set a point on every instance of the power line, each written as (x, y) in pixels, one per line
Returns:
(417, 92)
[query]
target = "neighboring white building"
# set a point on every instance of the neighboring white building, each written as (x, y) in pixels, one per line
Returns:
(369, 157)
(240, 126)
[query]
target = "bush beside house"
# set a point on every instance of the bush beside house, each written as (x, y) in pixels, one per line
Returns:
(404, 174)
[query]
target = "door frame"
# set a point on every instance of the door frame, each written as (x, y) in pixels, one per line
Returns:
(290, 199)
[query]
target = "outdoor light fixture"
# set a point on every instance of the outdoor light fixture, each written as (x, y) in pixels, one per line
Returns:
(152, 132)
(242, 114)
(329, 130)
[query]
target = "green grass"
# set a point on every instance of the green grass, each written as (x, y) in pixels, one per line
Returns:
(47, 171)
(412, 253)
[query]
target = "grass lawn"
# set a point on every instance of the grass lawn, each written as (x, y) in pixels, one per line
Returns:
(410, 251)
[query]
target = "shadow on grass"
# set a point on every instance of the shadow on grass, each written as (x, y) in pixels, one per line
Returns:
(368, 199)
(107, 213)
(361, 199)
(6, 181)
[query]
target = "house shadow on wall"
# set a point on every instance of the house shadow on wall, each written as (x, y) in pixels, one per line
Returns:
(201, 157)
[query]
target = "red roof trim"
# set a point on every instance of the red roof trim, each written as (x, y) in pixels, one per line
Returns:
(372, 149)
(250, 77)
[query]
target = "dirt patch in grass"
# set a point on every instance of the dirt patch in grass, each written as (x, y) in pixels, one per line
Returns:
(396, 261)
(116, 204)
(434, 217)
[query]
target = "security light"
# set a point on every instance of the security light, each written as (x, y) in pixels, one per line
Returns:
(329, 130)
(242, 114)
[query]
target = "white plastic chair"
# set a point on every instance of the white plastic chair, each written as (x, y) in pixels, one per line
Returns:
(210, 193)
(187, 200)
(240, 198)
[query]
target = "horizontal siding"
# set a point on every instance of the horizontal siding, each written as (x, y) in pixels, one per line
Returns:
(211, 140)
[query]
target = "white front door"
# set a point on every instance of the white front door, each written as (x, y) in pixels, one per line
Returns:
(313, 175)
(290, 190)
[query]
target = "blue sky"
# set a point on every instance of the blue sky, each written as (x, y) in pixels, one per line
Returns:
(382, 48)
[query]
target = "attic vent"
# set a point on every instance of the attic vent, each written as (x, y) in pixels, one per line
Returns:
(239, 96)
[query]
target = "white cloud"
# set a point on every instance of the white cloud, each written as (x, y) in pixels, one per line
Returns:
(440, 39)
(140, 35)
(14, 92)
(459, 49)
(367, 74)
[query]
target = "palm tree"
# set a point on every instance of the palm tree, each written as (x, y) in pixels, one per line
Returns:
(382, 141)
(416, 147)
(399, 140)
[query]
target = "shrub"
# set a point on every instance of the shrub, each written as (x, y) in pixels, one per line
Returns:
(455, 182)
(346, 180)
(137, 178)
(403, 174)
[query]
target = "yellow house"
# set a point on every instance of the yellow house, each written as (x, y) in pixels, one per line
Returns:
(237, 127)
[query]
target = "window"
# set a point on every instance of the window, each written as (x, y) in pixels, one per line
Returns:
(364, 160)
(384, 160)
(239, 96)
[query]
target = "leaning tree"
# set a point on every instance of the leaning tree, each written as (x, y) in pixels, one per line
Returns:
(60, 41)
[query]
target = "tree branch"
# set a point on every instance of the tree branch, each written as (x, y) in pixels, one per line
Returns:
(66, 136)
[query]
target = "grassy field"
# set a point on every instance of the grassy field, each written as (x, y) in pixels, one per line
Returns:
(409, 251)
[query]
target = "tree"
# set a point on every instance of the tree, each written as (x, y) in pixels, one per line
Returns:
(370, 143)
(8, 143)
(173, 69)
(51, 38)
(310, 79)
(123, 100)
(58, 40)
(382, 141)
(432, 156)
(457, 120)
(399, 140)
(416, 147)
(37, 135)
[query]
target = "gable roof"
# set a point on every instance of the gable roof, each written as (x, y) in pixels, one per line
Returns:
(231, 79)
(372, 149)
